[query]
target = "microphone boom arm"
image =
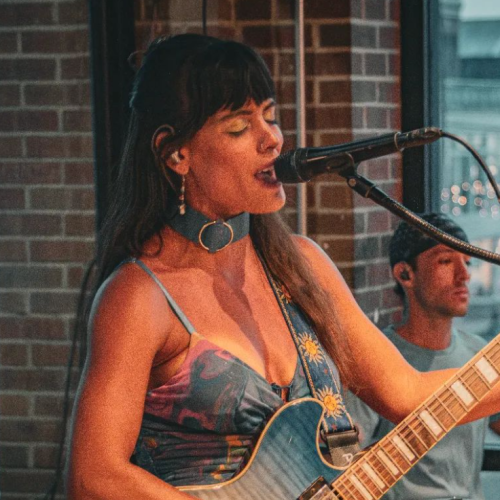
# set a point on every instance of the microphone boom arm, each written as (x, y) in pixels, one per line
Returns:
(368, 189)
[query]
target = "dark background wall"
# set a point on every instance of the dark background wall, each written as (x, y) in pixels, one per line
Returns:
(47, 208)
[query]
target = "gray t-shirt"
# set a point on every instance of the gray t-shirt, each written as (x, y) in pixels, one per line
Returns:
(452, 467)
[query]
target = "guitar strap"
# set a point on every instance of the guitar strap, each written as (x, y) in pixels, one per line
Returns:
(337, 428)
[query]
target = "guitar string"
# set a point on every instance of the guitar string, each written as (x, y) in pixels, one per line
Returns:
(470, 375)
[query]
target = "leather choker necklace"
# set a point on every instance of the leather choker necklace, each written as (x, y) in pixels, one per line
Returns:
(212, 235)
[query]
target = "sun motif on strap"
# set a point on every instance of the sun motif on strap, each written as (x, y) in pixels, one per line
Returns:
(284, 294)
(311, 348)
(333, 402)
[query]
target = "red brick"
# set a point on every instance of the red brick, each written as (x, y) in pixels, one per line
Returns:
(73, 68)
(13, 251)
(14, 405)
(10, 95)
(12, 198)
(8, 42)
(378, 222)
(10, 147)
(75, 276)
(12, 456)
(63, 146)
(364, 36)
(78, 173)
(331, 223)
(39, 121)
(47, 94)
(26, 14)
(368, 300)
(364, 91)
(285, 10)
(326, 9)
(30, 277)
(30, 225)
(27, 481)
(62, 199)
(33, 380)
(334, 63)
(330, 138)
(29, 172)
(48, 406)
(375, 64)
(61, 251)
(389, 37)
(53, 302)
(378, 274)
(375, 9)
(258, 36)
(329, 118)
(335, 92)
(257, 9)
(335, 35)
(55, 41)
(77, 121)
(32, 328)
(333, 196)
(14, 355)
(339, 250)
(50, 354)
(80, 225)
(286, 64)
(72, 13)
(27, 69)
(376, 118)
(388, 92)
(13, 303)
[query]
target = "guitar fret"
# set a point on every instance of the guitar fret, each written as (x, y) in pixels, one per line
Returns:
(393, 469)
(448, 409)
(431, 424)
(360, 487)
(383, 473)
(379, 468)
(487, 371)
(415, 438)
(480, 386)
(368, 478)
(372, 474)
(403, 448)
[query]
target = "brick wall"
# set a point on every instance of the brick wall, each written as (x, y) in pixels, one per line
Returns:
(46, 191)
(46, 225)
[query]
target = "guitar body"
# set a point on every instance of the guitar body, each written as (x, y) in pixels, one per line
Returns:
(286, 460)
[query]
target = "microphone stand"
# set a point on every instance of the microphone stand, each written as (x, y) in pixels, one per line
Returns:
(368, 189)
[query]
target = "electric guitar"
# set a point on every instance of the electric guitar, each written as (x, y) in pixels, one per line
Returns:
(287, 463)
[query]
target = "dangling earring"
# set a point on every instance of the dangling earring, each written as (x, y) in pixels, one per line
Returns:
(182, 199)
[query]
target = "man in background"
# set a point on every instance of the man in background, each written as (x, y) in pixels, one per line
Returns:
(433, 281)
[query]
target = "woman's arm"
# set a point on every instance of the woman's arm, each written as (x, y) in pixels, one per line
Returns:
(130, 323)
(381, 377)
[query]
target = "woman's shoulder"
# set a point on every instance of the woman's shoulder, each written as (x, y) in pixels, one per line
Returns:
(131, 300)
(317, 257)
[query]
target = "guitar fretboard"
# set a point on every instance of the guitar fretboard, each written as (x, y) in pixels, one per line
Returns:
(387, 461)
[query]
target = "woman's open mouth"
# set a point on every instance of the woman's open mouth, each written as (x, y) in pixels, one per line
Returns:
(268, 176)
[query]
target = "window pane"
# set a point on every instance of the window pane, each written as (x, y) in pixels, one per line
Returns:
(465, 97)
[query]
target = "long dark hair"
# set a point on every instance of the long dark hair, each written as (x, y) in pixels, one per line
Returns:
(183, 81)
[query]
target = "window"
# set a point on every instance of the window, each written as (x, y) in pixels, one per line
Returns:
(464, 96)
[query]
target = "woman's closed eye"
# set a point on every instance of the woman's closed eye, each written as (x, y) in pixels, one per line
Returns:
(237, 127)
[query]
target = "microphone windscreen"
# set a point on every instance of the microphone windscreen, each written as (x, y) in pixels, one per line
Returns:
(285, 167)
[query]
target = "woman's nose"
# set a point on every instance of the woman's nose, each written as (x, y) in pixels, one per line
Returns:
(271, 138)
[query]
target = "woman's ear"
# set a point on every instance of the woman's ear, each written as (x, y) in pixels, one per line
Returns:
(176, 159)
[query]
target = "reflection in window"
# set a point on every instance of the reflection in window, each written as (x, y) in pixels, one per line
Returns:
(465, 97)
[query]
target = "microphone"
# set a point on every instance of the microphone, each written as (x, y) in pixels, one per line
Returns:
(302, 164)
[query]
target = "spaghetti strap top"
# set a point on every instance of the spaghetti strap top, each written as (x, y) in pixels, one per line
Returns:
(201, 426)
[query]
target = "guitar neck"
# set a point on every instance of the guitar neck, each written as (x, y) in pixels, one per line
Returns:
(387, 461)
